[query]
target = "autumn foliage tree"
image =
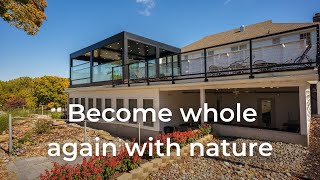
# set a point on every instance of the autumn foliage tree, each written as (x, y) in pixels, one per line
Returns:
(49, 90)
(14, 102)
(27, 15)
(29, 92)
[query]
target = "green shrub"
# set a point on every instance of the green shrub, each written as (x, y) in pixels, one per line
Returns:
(26, 139)
(205, 129)
(56, 115)
(4, 122)
(42, 126)
(18, 113)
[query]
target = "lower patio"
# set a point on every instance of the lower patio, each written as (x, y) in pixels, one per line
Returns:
(280, 111)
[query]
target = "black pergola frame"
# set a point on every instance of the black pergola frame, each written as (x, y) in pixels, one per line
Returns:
(123, 37)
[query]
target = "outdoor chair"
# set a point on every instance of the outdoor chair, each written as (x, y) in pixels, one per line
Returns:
(263, 65)
(234, 66)
(214, 70)
(299, 60)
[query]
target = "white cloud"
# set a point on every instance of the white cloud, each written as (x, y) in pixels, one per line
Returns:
(148, 6)
(227, 2)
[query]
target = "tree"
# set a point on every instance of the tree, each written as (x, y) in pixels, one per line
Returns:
(14, 102)
(27, 15)
(49, 90)
(28, 92)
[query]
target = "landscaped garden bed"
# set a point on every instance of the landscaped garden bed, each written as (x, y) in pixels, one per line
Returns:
(124, 166)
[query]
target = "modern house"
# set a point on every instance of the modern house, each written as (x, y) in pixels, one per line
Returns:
(271, 67)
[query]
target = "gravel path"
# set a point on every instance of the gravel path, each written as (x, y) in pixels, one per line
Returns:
(288, 161)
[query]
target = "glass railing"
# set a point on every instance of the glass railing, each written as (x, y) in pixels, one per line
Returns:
(80, 74)
(81, 81)
(102, 72)
(117, 73)
(137, 70)
(242, 57)
(152, 68)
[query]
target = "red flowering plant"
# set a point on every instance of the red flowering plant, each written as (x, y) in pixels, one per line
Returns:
(97, 167)
(58, 172)
(103, 167)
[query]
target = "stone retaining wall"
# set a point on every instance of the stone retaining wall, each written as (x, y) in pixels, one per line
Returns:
(145, 169)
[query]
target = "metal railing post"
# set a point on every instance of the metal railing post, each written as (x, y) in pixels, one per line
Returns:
(172, 70)
(205, 65)
(10, 134)
(112, 77)
(128, 75)
(147, 73)
(85, 131)
(251, 59)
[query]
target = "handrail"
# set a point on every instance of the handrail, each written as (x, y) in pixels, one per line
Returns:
(125, 68)
(233, 42)
(81, 64)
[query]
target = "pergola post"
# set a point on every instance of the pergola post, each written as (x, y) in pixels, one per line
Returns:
(157, 61)
(125, 57)
(91, 66)
(70, 70)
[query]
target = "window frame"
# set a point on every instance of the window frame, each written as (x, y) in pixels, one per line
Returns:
(148, 122)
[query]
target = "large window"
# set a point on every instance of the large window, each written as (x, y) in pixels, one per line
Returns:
(133, 103)
(119, 106)
(148, 103)
(83, 102)
(76, 101)
(99, 104)
(307, 37)
(90, 103)
(108, 105)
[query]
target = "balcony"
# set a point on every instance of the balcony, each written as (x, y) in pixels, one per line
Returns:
(106, 60)
(134, 59)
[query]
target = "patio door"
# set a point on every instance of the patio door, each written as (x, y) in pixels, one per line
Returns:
(266, 115)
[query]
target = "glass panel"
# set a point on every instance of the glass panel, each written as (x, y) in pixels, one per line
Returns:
(137, 70)
(117, 73)
(80, 74)
(152, 68)
(165, 66)
(290, 52)
(81, 81)
(102, 72)
(191, 63)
